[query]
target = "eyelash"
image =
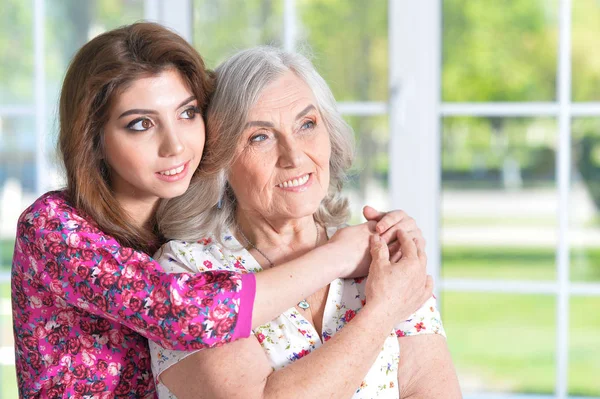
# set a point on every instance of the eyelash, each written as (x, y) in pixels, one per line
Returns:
(312, 123)
(134, 122)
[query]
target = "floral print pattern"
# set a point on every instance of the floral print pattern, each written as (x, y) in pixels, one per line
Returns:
(290, 336)
(82, 305)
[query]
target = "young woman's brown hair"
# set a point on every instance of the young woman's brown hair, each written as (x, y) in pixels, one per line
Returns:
(100, 70)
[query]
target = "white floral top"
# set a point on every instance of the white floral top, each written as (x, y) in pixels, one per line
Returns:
(290, 336)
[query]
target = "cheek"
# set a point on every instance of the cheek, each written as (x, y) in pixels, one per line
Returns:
(123, 157)
(248, 175)
(196, 137)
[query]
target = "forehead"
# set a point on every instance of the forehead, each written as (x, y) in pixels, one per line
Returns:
(163, 88)
(288, 93)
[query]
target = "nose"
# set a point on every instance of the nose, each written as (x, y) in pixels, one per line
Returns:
(290, 153)
(170, 143)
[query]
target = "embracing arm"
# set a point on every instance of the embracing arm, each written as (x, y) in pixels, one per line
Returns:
(346, 255)
(426, 369)
(241, 369)
(61, 254)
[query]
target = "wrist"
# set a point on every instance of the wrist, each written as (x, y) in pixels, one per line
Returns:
(335, 255)
(380, 315)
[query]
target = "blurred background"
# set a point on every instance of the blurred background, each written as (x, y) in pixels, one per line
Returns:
(479, 117)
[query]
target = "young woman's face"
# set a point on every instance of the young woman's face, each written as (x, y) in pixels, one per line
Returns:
(154, 138)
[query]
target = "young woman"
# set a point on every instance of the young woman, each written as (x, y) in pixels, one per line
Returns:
(86, 295)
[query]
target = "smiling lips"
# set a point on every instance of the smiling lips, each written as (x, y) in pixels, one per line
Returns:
(174, 174)
(297, 182)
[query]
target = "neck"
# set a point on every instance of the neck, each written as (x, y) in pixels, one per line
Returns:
(279, 239)
(140, 211)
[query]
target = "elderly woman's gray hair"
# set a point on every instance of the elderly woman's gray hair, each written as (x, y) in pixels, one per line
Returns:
(208, 206)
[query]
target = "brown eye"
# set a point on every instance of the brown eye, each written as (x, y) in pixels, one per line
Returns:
(140, 124)
(190, 113)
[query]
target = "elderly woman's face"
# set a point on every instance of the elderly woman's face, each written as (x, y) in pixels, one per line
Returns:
(282, 165)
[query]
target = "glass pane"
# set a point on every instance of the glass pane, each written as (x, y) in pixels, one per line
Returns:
(16, 47)
(350, 45)
(222, 27)
(585, 200)
(17, 191)
(69, 25)
(499, 50)
(368, 183)
(8, 379)
(586, 63)
(499, 198)
(584, 355)
(496, 344)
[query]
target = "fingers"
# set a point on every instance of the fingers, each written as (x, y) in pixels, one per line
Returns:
(371, 213)
(379, 249)
(406, 223)
(390, 219)
(407, 245)
(396, 256)
(371, 225)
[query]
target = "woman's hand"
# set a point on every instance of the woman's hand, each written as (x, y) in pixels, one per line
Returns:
(388, 225)
(399, 288)
(352, 248)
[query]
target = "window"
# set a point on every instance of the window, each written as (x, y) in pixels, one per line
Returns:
(480, 118)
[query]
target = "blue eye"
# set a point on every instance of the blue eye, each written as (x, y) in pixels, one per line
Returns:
(259, 137)
(308, 125)
(140, 124)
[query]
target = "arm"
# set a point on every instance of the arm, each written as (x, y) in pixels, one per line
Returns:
(334, 370)
(425, 369)
(60, 252)
(241, 369)
(346, 255)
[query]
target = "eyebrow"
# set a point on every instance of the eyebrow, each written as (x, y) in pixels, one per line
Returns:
(139, 111)
(269, 124)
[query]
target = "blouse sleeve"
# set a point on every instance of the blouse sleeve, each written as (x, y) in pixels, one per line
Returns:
(61, 251)
(426, 320)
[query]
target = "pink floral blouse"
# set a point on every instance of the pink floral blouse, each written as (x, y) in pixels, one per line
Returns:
(82, 305)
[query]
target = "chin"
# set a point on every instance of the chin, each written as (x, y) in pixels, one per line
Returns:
(173, 192)
(304, 210)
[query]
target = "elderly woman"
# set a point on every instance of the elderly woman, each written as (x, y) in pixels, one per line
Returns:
(277, 154)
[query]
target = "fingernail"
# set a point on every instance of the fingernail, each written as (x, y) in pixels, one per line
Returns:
(376, 237)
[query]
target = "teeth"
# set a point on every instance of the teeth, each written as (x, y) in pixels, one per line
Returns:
(295, 182)
(172, 172)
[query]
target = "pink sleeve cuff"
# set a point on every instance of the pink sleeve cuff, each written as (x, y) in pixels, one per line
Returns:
(243, 327)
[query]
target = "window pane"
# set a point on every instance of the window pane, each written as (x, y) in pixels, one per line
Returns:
(584, 355)
(586, 63)
(221, 27)
(499, 50)
(585, 200)
(350, 44)
(16, 47)
(499, 198)
(496, 344)
(368, 183)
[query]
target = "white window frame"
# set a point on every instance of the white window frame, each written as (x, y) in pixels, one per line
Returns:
(415, 54)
